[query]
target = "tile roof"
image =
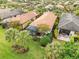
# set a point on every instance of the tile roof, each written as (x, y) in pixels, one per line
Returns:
(6, 13)
(24, 17)
(47, 18)
(4, 10)
(69, 21)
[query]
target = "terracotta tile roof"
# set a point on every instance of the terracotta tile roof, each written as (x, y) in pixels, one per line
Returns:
(47, 18)
(24, 17)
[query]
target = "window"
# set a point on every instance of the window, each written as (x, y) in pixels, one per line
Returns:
(38, 34)
(62, 31)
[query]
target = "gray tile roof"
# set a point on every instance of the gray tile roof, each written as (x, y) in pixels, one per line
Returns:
(4, 10)
(69, 21)
(10, 13)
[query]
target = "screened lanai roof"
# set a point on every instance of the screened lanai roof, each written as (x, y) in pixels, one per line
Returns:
(69, 21)
(47, 18)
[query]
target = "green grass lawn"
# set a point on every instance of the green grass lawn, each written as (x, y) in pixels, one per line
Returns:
(6, 52)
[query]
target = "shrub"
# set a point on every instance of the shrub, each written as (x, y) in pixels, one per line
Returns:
(77, 12)
(44, 40)
(68, 50)
(20, 49)
(48, 51)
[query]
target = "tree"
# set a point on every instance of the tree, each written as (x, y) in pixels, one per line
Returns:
(3, 1)
(11, 34)
(45, 39)
(43, 28)
(67, 50)
(40, 9)
(24, 36)
(19, 39)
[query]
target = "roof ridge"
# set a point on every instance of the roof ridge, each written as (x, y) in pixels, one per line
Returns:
(65, 23)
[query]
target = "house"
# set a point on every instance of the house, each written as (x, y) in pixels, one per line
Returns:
(10, 13)
(22, 19)
(68, 26)
(46, 22)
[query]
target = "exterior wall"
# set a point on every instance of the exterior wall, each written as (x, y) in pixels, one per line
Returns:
(72, 36)
(26, 24)
(63, 36)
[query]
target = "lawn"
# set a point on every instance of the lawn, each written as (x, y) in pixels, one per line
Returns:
(6, 52)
